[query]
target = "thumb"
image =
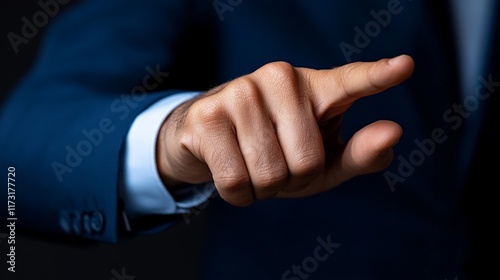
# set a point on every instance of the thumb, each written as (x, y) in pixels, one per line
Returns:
(369, 150)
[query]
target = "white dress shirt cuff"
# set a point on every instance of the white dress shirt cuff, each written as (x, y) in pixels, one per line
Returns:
(143, 191)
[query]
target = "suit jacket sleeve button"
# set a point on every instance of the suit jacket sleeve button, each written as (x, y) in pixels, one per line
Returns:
(65, 221)
(97, 221)
(76, 223)
(86, 223)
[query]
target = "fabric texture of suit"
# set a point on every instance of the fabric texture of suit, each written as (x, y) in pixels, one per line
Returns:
(406, 223)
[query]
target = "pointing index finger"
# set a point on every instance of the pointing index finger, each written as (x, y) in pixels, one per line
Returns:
(341, 86)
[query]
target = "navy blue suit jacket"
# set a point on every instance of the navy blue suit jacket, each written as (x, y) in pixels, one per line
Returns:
(64, 128)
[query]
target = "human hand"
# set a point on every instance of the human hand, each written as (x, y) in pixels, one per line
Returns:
(276, 132)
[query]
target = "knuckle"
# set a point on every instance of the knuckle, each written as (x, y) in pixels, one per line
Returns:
(343, 77)
(280, 71)
(206, 111)
(232, 183)
(270, 178)
(308, 164)
(371, 76)
(243, 90)
(235, 190)
(268, 184)
(267, 169)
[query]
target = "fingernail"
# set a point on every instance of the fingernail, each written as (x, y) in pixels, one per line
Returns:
(394, 59)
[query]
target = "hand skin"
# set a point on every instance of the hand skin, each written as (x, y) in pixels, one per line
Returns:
(276, 132)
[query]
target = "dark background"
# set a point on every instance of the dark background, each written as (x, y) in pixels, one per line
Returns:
(173, 254)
